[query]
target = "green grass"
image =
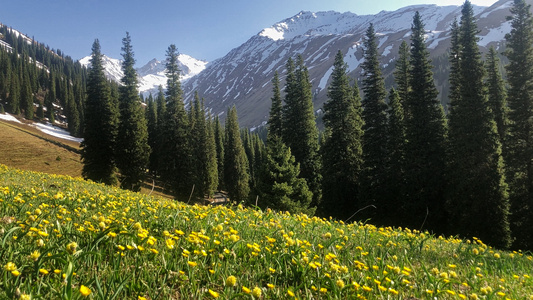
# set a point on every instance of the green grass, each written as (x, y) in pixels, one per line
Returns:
(64, 238)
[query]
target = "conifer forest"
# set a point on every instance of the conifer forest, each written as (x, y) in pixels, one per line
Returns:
(387, 154)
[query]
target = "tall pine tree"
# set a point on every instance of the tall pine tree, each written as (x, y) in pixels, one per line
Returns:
(236, 173)
(342, 153)
(396, 143)
(477, 201)
(497, 93)
(175, 157)
(101, 120)
(275, 119)
(132, 148)
(426, 136)
(519, 144)
(375, 127)
(299, 127)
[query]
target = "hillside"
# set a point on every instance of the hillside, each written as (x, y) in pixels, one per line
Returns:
(30, 149)
(109, 243)
(242, 77)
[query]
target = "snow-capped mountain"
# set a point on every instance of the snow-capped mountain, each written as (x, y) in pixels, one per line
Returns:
(152, 74)
(243, 77)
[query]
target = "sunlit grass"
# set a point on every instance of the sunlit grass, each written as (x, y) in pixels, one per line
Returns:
(62, 237)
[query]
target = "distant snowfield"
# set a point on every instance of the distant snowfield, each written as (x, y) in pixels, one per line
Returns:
(8, 117)
(56, 131)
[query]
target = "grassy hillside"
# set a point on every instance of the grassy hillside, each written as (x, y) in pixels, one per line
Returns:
(66, 238)
(28, 148)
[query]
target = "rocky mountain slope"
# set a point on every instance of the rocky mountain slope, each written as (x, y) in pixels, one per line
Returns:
(243, 76)
(152, 74)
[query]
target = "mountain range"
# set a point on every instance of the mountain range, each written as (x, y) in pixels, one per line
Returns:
(243, 76)
(152, 74)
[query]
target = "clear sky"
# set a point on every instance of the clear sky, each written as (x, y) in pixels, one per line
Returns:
(204, 29)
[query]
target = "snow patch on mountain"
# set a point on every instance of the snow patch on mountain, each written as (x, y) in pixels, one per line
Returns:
(152, 74)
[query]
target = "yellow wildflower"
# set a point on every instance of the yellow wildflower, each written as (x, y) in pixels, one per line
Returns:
(85, 291)
(256, 292)
(213, 293)
(231, 280)
(246, 290)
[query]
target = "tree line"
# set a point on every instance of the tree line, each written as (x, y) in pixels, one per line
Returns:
(394, 157)
(37, 82)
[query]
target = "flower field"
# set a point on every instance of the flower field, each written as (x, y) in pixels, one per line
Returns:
(64, 238)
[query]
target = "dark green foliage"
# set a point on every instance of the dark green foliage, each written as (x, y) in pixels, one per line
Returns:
(401, 73)
(477, 201)
(132, 150)
(218, 131)
(205, 175)
(13, 101)
(158, 150)
(396, 171)
(236, 173)
(175, 156)
(426, 136)
(375, 126)
(519, 144)
(280, 186)
(26, 98)
(497, 93)
(151, 124)
(275, 118)
(72, 113)
(299, 127)
(342, 152)
(101, 120)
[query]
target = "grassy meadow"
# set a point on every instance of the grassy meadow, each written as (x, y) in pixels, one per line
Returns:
(65, 238)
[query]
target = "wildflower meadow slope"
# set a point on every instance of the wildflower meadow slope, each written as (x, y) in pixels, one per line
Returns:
(65, 238)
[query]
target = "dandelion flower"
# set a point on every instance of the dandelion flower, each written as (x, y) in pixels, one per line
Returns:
(231, 280)
(71, 247)
(290, 293)
(43, 271)
(213, 293)
(246, 290)
(256, 292)
(85, 291)
(192, 263)
(270, 285)
(340, 283)
(10, 267)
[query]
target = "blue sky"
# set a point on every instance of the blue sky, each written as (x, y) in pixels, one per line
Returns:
(204, 29)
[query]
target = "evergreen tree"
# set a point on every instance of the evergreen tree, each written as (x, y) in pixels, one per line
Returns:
(279, 184)
(175, 156)
(26, 97)
(203, 155)
(236, 172)
(519, 144)
(396, 171)
(375, 126)
(342, 154)
(497, 93)
(152, 124)
(477, 198)
(132, 148)
(401, 73)
(299, 127)
(101, 118)
(210, 156)
(454, 58)
(161, 104)
(219, 145)
(275, 118)
(426, 136)
(73, 116)
(13, 101)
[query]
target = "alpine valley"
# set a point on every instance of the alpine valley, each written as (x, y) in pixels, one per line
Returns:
(243, 76)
